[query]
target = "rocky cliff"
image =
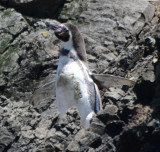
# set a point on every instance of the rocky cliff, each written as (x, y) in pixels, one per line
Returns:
(122, 38)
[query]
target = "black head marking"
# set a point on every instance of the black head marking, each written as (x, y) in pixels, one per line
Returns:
(62, 33)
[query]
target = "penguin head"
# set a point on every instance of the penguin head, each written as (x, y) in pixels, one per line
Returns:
(61, 31)
(71, 38)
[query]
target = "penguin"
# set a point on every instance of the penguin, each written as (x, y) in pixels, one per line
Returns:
(74, 84)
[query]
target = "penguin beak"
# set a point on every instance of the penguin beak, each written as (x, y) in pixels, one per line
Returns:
(52, 26)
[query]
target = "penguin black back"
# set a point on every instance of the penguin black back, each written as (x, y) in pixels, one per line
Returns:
(78, 42)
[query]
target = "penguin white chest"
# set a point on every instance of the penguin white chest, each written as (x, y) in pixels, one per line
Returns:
(72, 89)
(71, 80)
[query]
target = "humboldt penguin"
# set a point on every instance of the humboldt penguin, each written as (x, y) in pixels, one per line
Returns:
(74, 84)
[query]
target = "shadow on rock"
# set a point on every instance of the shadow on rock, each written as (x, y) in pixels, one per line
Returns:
(36, 8)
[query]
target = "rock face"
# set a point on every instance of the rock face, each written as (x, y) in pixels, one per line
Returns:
(122, 38)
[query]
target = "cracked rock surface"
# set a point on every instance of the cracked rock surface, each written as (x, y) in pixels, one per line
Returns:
(122, 38)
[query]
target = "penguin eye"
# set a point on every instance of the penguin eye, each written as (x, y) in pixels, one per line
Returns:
(61, 29)
(64, 29)
(62, 33)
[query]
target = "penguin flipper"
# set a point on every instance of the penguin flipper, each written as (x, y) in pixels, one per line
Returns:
(107, 81)
(98, 101)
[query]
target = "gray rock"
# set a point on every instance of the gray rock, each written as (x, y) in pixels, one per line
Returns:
(97, 126)
(84, 137)
(10, 18)
(20, 66)
(45, 94)
(81, 136)
(121, 39)
(6, 137)
(108, 114)
(111, 21)
(114, 93)
(73, 146)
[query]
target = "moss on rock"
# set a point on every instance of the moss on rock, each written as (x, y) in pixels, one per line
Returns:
(72, 10)
(6, 58)
(7, 13)
(4, 41)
